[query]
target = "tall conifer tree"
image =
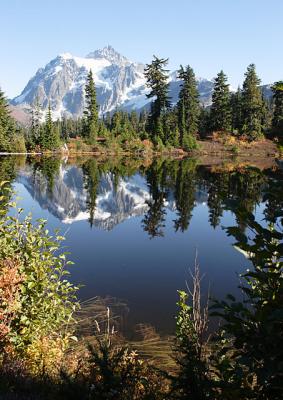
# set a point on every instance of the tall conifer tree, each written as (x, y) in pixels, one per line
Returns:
(252, 105)
(236, 107)
(49, 138)
(188, 104)
(7, 125)
(220, 115)
(277, 120)
(157, 81)
(91, 111)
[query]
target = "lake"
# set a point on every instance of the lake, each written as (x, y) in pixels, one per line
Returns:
(133, 227)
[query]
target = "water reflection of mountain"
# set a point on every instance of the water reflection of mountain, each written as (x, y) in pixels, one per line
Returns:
(116, 200)
(106, 194)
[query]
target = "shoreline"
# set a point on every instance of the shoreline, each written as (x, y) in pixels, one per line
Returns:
(261, 149)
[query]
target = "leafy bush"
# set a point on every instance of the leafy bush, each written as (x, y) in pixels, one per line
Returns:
(39, 327)
(254, 327)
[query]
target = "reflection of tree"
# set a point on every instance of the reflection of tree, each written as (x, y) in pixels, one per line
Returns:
(232, 190)
(274, 198)
(244, 192)
(91, 176)
(215, 205)
(7, 168)
(7, 173)
(185, 194)
(154, 220)
(49, 168)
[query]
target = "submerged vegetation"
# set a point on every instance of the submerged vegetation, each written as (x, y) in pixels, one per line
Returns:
(46, 349)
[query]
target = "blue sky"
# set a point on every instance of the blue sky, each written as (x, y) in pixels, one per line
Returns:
(210, 35)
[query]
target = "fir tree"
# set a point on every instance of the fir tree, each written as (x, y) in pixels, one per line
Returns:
(188, 104)
(7, 125)
(170, 128)
(116, 123)
(236, 107)
(252, 105)
(91, 111)
(277, 121)
(157, 81)
(49, 139)
(220, 115)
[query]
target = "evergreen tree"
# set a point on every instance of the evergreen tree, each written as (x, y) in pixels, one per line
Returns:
(7, 125)
(170, 128)
(204, 121)
(188, 104)
(134, 120)
(91, 111)
(142, 125)
(277, 121)
(252, 105)
(236, 107)
(220, 115)
(116, 123)
(157, 81)
(50, 138)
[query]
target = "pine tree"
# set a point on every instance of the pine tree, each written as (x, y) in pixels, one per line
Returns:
(220, 115)
(91, 111)
(7, 125)
(236, 107)
(157, 81)
(116, 123)
(170, 128)
(277, 120)
(49, 138)
(204, 121)
(188, 104)
(252, 106)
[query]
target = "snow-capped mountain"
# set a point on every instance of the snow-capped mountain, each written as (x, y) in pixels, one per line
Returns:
(120, 83)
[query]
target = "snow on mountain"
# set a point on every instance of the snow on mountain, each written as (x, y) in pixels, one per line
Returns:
(61, 82)
(120, 83)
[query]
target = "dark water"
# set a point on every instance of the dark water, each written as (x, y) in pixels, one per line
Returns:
(133, 227)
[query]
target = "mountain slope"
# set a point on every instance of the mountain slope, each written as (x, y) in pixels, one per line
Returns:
(120, 83)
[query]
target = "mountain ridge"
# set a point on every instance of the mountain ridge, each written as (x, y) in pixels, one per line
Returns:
(120, 84)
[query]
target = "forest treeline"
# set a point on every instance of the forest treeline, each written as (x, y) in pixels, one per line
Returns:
(244, 114)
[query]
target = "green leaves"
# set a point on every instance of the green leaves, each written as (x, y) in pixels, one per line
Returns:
(47, 300)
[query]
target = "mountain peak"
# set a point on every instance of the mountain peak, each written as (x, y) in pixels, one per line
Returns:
(108, 53)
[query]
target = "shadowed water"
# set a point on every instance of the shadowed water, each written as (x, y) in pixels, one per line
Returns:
(133, 226)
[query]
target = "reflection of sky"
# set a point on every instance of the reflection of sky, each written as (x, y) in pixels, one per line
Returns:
(127, 264)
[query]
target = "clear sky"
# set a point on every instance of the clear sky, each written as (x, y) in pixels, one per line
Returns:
(210, 35)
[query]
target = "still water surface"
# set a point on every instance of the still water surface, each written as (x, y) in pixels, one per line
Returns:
(133, 227)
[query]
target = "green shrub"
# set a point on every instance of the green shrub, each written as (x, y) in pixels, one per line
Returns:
(189, 143)
(40, 328)
(18, 144)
